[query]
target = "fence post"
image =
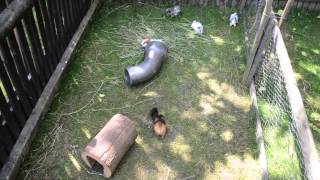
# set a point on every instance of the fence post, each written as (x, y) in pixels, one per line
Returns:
(259, 134)
(259, 55)
(310, 157)
(242, 4)
(286, 12)
(11, 167)
(257, 40)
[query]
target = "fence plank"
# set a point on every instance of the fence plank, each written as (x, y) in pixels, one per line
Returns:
(11, 122)
(49, 29)
(15, 104)
(259, 57)
(53, 26)
(3, 156)
(76, 4)
(28, 61)
(304, 136)
(286, 12)
(45, 38)
(22, 72)
(81, 9)
(257, 40)
(35, 45)
(88, 3)
(242, 5)
(72, 15)
(53, 6)
(259, 133)
(12, 13)
(14, 77)
(10, 169)
(68, 25)
(7, 137)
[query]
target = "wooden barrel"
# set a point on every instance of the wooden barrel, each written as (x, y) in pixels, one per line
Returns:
(109, 146)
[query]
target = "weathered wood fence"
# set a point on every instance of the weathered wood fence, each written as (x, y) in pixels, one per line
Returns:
(37, 39)
(298, 4)
(268, 49)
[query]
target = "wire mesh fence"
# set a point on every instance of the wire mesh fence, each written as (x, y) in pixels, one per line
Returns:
(275, 114)
(253, 15)
(286, 155)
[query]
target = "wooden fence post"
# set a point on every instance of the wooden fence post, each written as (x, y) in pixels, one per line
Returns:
(286, 12)
(242, 5)
(304, 136)
(21, 147)
(264, 43)
(259, 134)
(257, 40)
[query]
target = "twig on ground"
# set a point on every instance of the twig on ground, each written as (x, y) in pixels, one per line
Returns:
(125, 107)
(190, 177)
(149, 84)
(86, 105)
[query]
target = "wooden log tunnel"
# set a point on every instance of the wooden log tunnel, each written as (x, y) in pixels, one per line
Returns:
(109, 146)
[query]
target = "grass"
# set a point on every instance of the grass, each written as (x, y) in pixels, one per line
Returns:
(303, 44)
(211, 134)
(282, 159)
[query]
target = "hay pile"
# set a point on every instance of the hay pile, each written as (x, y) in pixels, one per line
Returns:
(180, 38)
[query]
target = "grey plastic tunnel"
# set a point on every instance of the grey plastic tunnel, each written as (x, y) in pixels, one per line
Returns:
(154, 54)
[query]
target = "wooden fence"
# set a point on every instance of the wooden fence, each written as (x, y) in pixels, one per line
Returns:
(259, 52)
(35, 36)
(37, 39)
(298, 4)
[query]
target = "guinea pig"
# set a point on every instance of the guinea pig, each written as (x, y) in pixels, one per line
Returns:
(175, 11)
(158, 123)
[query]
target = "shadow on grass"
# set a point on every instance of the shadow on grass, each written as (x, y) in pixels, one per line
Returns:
(302, 40)
(211, 134)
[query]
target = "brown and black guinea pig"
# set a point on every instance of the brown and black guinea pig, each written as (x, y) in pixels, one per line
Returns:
(158, 123)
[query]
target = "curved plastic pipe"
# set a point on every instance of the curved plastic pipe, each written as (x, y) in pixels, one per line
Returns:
(154, 55)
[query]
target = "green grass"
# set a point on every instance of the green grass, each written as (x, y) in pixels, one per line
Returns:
(282, 159)
(303, 45)
(211, 134)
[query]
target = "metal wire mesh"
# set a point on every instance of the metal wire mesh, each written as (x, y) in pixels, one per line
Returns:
(284, 157)
(254, 15)
(283, 153)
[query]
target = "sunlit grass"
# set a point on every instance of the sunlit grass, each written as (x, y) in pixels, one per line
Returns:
(282, 159)
(198, 90)
(303, 44)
